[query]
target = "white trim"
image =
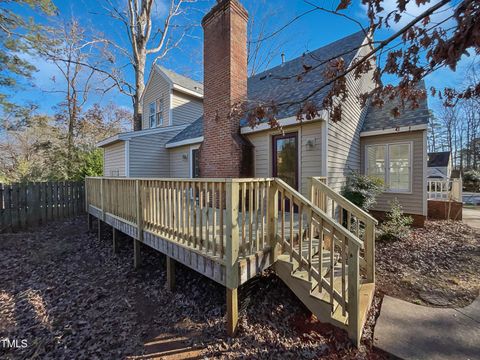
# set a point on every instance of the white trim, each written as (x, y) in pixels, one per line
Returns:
(170, 110)
(184, 142)
(134, 134)
(290, 121)
(387, 165)
(324, 149)
(394, 130)
(127, 158)
(425, 180)
(187, 91)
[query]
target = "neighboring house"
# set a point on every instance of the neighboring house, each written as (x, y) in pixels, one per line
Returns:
(177, 141)
(439, 165)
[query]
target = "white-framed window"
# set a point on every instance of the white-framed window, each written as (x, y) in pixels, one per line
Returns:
(392, 163)
(151, 114)
(159, 112)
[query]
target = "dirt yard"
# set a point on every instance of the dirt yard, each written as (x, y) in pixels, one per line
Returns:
(65, 293)
(438, 265)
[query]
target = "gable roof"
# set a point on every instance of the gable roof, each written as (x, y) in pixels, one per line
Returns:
(182, 81)
(281, 84)
(382, 118)
(438, 159)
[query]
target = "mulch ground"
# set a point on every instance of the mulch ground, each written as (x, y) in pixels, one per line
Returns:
(70, 297)
(438, 265)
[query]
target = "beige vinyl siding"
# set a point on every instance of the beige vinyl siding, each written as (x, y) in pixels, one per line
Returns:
(158, 87)
(180, 167)
(185, 108)
(310, 159)
(344, 136)
(148, 155)
(114, 159)
(412, 202)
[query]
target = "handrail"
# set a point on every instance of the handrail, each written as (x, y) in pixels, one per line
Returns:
(344, 202)
(321, 213)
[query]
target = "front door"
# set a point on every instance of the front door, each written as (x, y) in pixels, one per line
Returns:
(285, 158)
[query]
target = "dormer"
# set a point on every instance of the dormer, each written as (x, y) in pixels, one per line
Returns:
(170, 99)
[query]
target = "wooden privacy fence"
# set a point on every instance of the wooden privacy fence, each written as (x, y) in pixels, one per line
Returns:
(32, 204)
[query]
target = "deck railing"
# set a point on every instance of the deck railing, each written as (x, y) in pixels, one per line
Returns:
(354, 219)
(445, 190)
(222, 218)
(230, 219)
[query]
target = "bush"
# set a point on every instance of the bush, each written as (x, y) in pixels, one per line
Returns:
(396, 225)
(472, 175)
(362, 190)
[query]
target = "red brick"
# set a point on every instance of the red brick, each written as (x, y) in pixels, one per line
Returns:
(224, 152)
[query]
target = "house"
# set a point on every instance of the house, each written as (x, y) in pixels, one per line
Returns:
(439, 165)
(200, 185)
(368, 140)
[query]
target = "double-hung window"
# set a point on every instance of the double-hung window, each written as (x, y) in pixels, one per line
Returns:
(393, 164)
(159, 113)
(151, 114)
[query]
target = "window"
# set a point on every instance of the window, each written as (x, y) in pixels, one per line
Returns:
(159, 113)
(152, 114)
(392, 163)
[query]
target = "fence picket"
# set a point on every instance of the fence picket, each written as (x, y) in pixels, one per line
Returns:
(32, 204)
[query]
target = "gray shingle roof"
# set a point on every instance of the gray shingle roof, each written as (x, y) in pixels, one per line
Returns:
(183, 80)
(438, 158)
(382, 118)
(194, 130)
(266, 85)
(272, 85)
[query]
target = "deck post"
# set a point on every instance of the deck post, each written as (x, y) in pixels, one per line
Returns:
(272, 218)
(170, 273)
(232, 311)
(354, 326)
(89, 221)
(370, 250)
(136, 242)
(115, 240)
(231, 254)
(99, 223)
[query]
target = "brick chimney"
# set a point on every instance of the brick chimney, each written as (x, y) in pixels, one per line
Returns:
(224, 152)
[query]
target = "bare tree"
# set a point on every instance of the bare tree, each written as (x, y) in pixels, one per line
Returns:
(437, 37)
(69, 51)
(145, 39)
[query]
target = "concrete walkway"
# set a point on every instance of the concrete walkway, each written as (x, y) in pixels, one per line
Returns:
(471, 216)
(410, 331)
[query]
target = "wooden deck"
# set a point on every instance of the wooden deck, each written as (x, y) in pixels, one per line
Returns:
(230, 230)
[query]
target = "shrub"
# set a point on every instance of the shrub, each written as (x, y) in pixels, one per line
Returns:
(362, 190)
(472, 175)
(396, 225)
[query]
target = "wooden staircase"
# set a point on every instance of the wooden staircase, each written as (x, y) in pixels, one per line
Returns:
(323, 258)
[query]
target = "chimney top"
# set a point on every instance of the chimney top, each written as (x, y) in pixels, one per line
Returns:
(223, 5)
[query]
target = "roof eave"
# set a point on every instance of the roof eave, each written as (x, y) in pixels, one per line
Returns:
(393, 130)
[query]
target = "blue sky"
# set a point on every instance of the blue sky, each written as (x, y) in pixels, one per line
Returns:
(308, 33)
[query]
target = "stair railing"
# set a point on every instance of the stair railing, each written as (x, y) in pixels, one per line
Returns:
(303, 231)
(353, 218)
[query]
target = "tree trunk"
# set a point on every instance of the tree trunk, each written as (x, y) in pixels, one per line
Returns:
(140, 87)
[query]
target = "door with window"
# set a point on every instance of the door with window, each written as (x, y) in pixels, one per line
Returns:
(285, 158)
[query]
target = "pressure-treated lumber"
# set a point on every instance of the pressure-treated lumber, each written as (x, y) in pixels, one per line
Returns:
(232, 311)
(170, 273)
(114, 240)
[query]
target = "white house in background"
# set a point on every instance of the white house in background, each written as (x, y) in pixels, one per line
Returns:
(439, 165)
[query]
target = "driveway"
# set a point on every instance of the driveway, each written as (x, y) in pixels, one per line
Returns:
(471, 216)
